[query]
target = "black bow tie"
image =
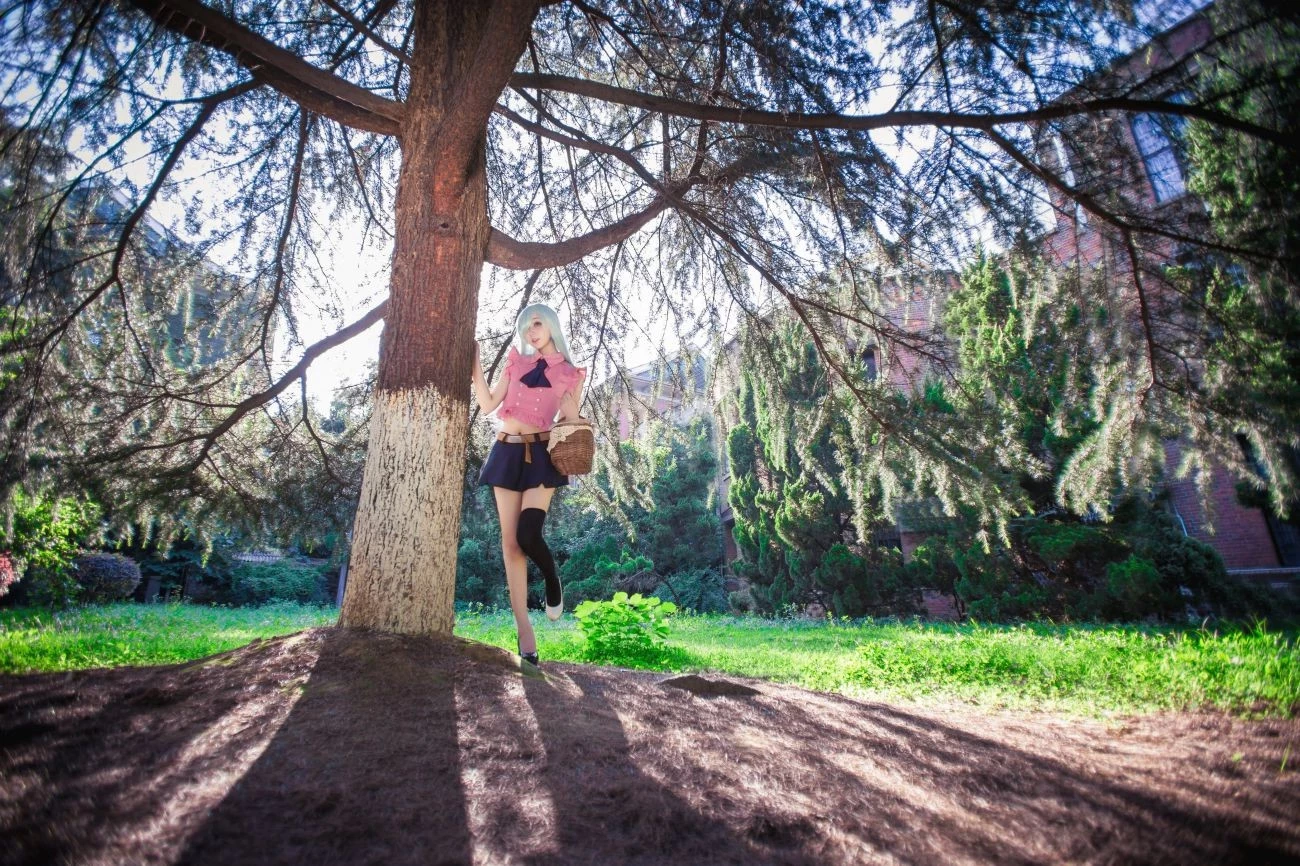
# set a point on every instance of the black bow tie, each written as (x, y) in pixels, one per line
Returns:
(536, 378)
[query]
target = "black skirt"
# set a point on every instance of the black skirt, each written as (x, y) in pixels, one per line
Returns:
(505, 467)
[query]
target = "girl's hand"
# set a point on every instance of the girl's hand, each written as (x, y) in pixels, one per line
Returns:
(488, 397)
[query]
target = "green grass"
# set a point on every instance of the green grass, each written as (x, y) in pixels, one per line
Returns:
(140, 634)
(1087, 669)
(1062, 668)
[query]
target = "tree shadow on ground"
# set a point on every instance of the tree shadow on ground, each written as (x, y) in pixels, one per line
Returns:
(856, 781)
(365, 768)
(348, 747)
(92, 761)
(607, 807)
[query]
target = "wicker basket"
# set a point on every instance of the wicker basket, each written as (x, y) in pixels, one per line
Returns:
(572, 445)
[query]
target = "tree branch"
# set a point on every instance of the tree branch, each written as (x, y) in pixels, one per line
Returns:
(1090, 203)
(538, 255)
(886, 120)
(506, 252)
(316, 90)
(208, 107)
(365, 30)
(254, 401)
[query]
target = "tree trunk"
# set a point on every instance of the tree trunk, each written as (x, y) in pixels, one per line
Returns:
(402, 570)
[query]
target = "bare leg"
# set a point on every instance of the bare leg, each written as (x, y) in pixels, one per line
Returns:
(508, 508)
(538, 497)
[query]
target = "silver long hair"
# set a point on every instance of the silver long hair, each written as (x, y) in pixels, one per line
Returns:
(551, 320)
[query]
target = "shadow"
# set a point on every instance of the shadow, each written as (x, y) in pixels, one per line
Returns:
(88, 759)
(916, 789)
(608, 808)
(342, 747)
(364, 769)
(643, 770)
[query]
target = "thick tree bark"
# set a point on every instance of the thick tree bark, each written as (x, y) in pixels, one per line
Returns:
(402, 571)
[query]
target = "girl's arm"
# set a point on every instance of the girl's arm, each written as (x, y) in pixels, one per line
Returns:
(570, 402)
(488, 398)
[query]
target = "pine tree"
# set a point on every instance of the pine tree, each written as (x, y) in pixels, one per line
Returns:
(802, 539)
(678, 148)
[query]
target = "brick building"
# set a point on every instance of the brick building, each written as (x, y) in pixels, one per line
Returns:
(1135, 160)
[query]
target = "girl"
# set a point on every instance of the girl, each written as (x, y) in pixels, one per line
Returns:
(538, 381)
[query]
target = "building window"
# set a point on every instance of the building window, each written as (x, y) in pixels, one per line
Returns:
(870, 364)
(1065, 171)
(1157, 138)
(1062, 160)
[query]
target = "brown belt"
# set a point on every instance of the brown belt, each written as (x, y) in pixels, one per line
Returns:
(527, 438)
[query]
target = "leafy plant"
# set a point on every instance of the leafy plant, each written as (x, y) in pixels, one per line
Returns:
(625, 628)
(106, 577)
(46, 535)
(259, 583)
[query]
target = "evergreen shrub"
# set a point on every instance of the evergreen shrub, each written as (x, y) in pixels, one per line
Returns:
(586, 572)
(260, 583)
(106, 577)
(1138, 566)
(698, 589)
(479, 576)
(189, 568)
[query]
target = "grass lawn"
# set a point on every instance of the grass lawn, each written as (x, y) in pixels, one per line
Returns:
(1070, 668)
(100, 636)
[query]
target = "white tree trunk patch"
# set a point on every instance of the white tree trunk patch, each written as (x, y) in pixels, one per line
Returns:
(402, 571)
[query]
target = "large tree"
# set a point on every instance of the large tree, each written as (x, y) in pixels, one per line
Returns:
(689, 161)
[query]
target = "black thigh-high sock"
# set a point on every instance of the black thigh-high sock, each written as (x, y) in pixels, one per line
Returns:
(529, 536)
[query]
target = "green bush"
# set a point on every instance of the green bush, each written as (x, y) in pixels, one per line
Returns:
(599, 568)
(106, 577)
(480, 578)
(259, 583)
(1138, 566)
(1134, 590)
(698, 589)
(625, 628)
(44, 539)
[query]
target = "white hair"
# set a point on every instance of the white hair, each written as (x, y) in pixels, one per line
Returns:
(552, 321)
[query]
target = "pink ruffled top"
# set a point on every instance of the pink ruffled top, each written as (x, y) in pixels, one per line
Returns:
(537, 406)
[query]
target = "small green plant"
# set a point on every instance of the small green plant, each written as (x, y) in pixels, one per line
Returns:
(625, 628)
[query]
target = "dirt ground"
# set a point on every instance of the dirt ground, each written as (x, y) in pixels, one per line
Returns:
(334, 747)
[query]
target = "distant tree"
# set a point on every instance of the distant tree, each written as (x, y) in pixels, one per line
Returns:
(1250, 299)
(646, 158)
(1022, 357)
(680, 530)
(802, 535)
